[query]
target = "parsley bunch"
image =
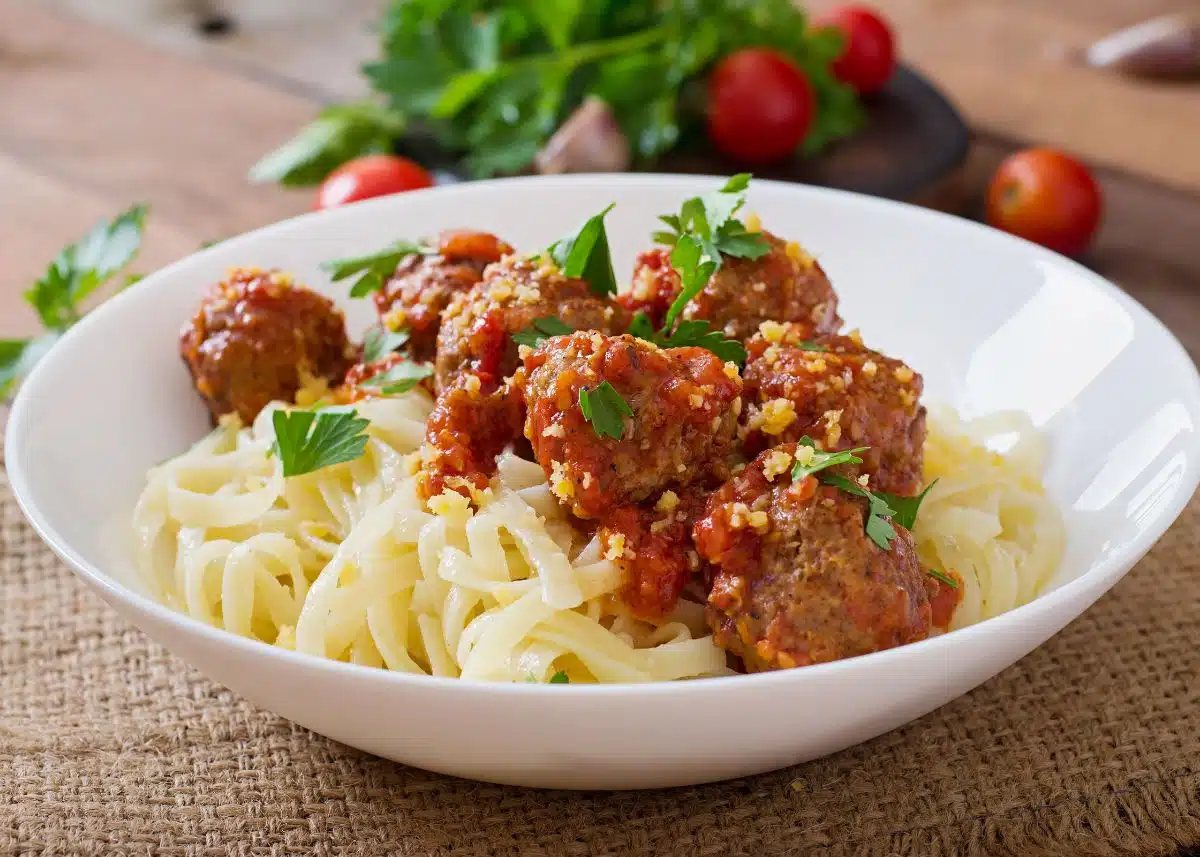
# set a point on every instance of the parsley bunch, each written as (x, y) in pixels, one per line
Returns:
(76, 273)
(490, 81)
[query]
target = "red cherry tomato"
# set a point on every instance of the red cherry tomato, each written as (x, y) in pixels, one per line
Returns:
(869, 56)
(1047, 197)
(368, 176)
(760, 106)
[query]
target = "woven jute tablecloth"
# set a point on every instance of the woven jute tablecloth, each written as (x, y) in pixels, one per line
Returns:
(109, 745)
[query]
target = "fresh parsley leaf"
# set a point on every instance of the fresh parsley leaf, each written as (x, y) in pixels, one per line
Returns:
(696, 333)
(307, 441)
(131, 279)
(399, 378)
(584, 254)
(737, 183)
(542, 328)
(821, 460)
(878, 528)
(379, 342)
(559, 677)
(695, 269)
(942, 577)
(339, 133)
(811, 345)
(641, 327)
(373, 269)
(603, 407)
(906, 507)
(81, 268)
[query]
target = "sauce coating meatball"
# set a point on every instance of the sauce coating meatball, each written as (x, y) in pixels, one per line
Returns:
(841, 394)
(684, 403)
(466, 431)
(786, 284)
(257, 337)
(798, 581)
(652, 543)
(477, 327)
(422, 286)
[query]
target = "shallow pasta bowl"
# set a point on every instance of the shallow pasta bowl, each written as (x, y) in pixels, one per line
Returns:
(992, 322)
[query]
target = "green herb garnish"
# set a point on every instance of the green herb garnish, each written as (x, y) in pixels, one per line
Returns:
(906, 507)
(585, 255)
(821, 460)
(399, 378)
(811, 345)
(493, 81)
(373, 269)
(942, 577)
(603, 407)
(379, 342)
(306, 441)
(75, 274)
(703, 233)
(542, 328)
(559, 677)
(879, 528)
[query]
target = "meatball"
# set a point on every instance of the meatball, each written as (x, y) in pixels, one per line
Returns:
(786, 284)
(477, 328)
(652, 543)
(684, 404)
(798, 581)
(257, 337)
(842, 395)
(422, 286)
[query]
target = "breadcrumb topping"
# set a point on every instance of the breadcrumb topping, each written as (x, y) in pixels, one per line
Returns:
(772, 331)
(777, 461)
(777, 415)
(667, 502)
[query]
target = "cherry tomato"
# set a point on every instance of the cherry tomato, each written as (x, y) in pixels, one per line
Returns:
(1047, 197)
(368, 176)
(760, 106)
(869, 56)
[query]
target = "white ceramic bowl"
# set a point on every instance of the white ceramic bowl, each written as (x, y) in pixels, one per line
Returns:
(991, 321)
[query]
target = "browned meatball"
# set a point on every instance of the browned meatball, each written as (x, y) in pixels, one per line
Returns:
(258, 337)
(684, 404)
(466, 431)
(422, 286)
(842, 395)
(798, 581)
(477, 327)
(786, 284)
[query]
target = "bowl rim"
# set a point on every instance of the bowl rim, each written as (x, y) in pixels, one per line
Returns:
(1102, 573)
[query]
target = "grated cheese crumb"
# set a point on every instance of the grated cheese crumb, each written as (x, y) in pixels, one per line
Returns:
(502, 290)
(616, 547)
(833, 428)
(870, 368)
(777, 462)
(667, 502)
(560, 482)
(817, 365)
(473, 385)
(772, 331)
(523, 351)
(696, 400)
(855, 337)
(799, 255)
(448, 503)
(777, 415)
(527, 294)
(739, 516)
(737, 406)
(395, 318)
(903, 374)
(908, 397)
(863, 480)
(731, 370)
(760, 522)
(805, 455)
(553, 430)
(752, 222)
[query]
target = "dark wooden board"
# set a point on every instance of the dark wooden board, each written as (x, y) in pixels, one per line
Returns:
(914, 147)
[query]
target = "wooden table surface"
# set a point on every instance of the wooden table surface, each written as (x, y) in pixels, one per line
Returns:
(105, 104)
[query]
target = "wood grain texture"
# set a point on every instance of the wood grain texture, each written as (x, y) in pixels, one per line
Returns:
(1003, 63)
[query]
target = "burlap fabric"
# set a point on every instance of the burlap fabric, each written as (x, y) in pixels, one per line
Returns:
(109, 745)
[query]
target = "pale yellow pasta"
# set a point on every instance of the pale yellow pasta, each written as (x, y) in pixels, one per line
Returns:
(349, 563)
